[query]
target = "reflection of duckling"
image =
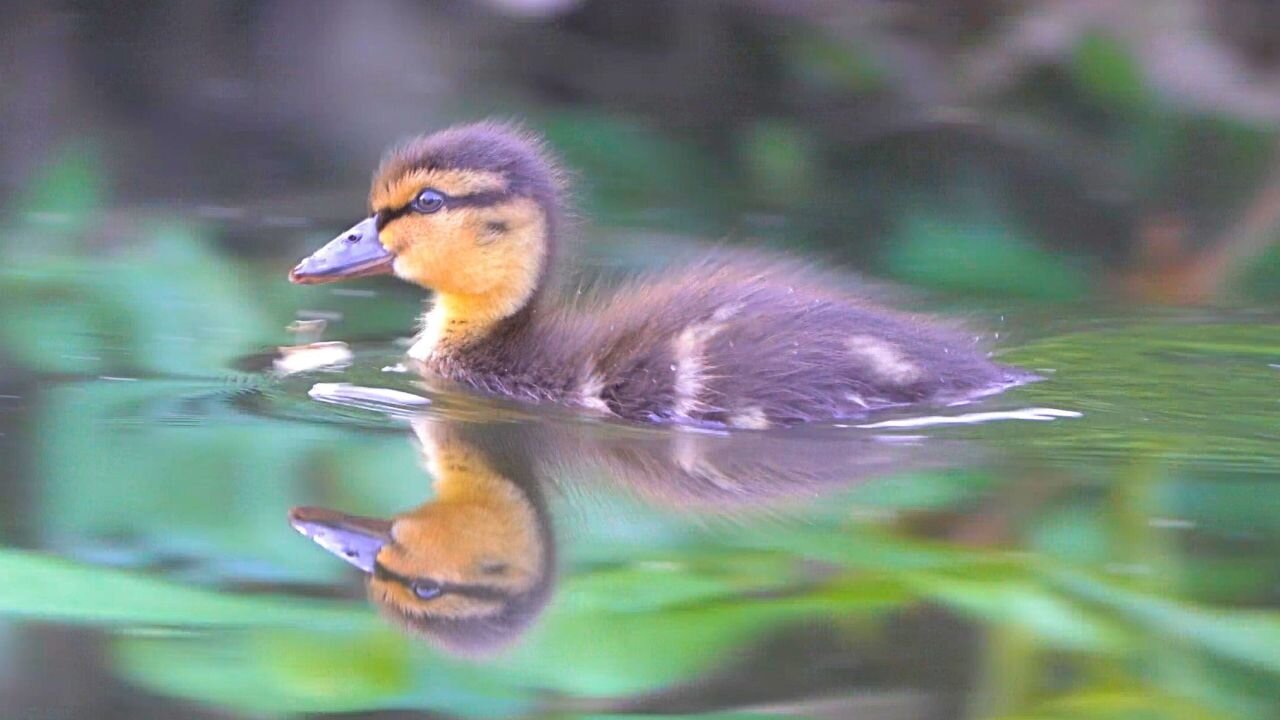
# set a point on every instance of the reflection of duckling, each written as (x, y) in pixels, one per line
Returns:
(470, 569)
(474, 567)
(732, 474)
(473, 213)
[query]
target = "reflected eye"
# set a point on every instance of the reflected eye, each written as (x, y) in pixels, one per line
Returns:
(428, 201)
(426, 589)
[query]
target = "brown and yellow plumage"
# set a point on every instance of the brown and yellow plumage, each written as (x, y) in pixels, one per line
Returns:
(735, 339)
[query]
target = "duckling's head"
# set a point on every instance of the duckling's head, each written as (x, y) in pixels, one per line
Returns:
(444, 573)
(469, 212)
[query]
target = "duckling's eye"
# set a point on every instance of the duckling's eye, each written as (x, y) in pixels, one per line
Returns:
(428, 201)
(426, 589)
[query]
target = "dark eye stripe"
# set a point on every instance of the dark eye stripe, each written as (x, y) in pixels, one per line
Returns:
(476, 592)
(382, 572)
(382, 217)
(480, 199)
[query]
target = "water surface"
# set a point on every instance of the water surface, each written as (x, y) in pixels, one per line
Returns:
(1100, 544)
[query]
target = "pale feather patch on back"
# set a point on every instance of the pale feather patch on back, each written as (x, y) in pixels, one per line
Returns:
(589, 393)
(724, 312)
(750, 418)
(690, 367)
(690, 348)
(884, 360)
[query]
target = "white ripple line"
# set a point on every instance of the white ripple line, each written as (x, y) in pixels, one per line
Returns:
(1040, 414)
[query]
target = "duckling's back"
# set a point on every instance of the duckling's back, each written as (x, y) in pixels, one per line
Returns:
(753, 342)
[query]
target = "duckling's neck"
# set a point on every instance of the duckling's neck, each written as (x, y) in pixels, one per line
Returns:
(455, 322)
(514, 276)
(459, 321)
(473, 500)
(463, 474)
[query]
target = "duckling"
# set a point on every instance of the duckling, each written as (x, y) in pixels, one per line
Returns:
(738, 339)
(471, 569)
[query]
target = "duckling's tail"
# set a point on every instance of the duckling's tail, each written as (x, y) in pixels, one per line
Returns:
(1014, 376)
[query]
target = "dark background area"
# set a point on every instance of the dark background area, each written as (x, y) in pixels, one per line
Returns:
(1064, 148)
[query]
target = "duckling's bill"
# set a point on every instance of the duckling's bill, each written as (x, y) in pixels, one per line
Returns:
(351, 537)
(355, 253)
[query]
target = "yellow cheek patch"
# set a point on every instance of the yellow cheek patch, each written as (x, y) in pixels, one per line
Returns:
(458, 541)
(395, 192)
(430, 233)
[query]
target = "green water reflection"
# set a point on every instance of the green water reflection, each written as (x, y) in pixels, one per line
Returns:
(1113, 565)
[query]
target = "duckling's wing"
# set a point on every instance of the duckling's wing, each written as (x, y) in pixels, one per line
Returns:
(754, 344)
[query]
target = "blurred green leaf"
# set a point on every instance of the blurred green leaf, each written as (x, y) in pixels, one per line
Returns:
(828, 62)
(291, 671)
(54, 590)
(168, 305)
(961, 254)
(220, 494)
(922, 491)
(54, 216)
(1022, 601)
(630, 174)
(649, 649)
(680, 579)
(779, 158)
(1116, 704)
(1251, 637)
(270, 672)
(1074, 532)
(1104, 68)
(1261, 279)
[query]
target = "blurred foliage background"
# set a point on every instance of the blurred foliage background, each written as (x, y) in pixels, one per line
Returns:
(1099, 181)
(1043, 149)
